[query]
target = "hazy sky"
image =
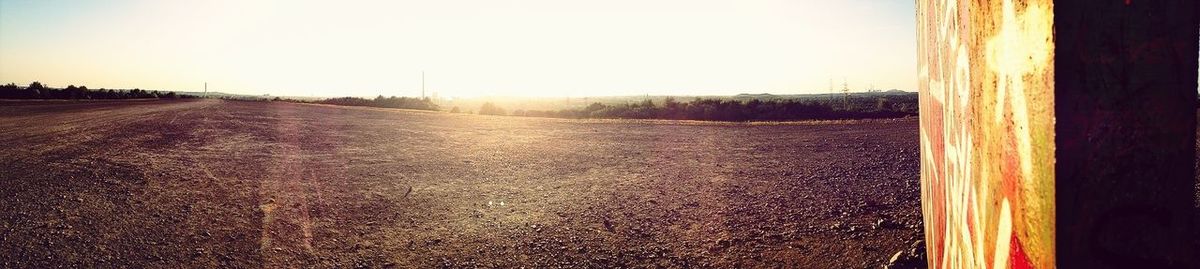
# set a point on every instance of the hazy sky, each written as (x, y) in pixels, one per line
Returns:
(466, 48)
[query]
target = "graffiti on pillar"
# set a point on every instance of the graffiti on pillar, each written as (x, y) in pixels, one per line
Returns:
(987, 132)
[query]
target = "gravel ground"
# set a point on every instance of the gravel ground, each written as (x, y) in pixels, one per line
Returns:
(211, 183)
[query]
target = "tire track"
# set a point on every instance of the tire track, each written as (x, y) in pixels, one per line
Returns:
(287, 226)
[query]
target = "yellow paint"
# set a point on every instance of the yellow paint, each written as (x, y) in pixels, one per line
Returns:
(1021, 47)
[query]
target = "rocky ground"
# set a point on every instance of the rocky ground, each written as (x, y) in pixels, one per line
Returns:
(214, 183)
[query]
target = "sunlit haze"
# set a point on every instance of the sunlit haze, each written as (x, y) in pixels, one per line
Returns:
(465, 48)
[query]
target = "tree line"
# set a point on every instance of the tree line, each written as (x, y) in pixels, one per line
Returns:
(711, 109)
(855, 107)
(385, 102)
(37, 90)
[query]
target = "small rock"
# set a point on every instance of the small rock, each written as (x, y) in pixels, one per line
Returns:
(724, 243)
(895, 258)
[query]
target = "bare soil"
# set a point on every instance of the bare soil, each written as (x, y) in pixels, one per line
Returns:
(211, 183)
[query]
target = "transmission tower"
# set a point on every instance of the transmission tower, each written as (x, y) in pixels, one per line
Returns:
(831, 94)
(845, 94)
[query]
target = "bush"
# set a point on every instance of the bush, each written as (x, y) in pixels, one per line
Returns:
(491, 109)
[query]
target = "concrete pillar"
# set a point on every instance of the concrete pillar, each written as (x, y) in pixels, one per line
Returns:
(1058, 133)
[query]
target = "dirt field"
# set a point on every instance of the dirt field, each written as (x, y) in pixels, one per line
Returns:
(242, 184)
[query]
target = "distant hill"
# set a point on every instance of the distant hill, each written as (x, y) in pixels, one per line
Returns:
(750, 95)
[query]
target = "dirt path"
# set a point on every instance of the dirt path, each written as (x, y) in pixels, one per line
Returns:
(247, 184)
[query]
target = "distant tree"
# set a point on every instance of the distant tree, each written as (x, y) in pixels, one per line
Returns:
(72, 92)
(380, 101)
(491, 109)
(454, 110)
(11, 91)
(37, 86)
(595, 107)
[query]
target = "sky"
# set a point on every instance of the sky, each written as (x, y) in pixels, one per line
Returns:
(464, 48)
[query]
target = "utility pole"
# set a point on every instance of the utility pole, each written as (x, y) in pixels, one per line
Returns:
(422, 84)
(205, 89)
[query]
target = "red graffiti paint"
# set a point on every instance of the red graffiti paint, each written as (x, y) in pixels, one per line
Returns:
(1017, 258)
